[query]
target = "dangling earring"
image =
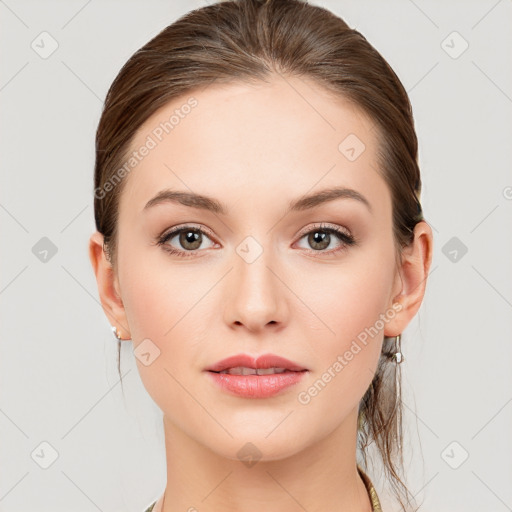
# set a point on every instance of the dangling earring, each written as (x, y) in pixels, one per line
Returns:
(398, 356)
(114, 330)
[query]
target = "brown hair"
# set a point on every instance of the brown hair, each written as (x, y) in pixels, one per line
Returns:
(249, 40)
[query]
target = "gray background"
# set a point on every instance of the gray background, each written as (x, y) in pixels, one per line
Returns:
(58, 367)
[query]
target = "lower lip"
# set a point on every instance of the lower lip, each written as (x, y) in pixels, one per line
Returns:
(256, 386)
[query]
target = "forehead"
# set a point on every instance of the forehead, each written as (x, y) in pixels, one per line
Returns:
(251, 142)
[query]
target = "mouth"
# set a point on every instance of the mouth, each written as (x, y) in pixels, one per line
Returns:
(241, 370)
(261, 377)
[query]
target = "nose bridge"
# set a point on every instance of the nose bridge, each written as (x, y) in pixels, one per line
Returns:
(257, 294)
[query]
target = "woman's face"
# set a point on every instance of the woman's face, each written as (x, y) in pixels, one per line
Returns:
(257, 277)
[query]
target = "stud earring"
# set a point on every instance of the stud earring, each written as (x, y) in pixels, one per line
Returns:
(116, 334)
(398, 356)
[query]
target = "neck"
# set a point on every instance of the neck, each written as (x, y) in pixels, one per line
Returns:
(322, 477)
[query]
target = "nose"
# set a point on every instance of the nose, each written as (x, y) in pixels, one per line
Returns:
(256, 295)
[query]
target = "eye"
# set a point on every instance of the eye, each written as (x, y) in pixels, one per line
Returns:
(321, 237)
(189, 238)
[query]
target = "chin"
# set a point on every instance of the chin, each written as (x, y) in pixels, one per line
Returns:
(255, 443)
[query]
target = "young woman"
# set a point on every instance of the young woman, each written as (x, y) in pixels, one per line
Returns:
(260, 241)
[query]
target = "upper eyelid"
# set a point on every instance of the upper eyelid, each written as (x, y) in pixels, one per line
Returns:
(179, 228)
(326, 226)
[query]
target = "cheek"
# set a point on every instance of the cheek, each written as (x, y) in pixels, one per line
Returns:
(351, 308)
(158, 292)
(164, 302)
(363, 297)
(349, 298)
(159, 301)
(345, 360)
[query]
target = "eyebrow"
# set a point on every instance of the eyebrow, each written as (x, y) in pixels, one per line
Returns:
(210, 204)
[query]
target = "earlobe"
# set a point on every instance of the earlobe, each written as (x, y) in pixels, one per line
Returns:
(415, 266)
(108, 287)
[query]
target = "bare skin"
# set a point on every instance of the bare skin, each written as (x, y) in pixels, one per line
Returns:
(256, 148)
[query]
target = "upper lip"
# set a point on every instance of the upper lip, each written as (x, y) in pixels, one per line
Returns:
(263, 361)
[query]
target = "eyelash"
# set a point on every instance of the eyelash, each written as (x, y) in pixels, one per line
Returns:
(346, 239)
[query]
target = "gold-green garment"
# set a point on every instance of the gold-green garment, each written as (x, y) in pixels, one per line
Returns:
(150, 507)
(372, 493)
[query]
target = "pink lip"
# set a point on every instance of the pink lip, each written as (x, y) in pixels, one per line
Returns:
(263, 361)
(256, 386)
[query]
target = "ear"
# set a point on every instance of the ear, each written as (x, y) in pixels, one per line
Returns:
(411, 279)
(108, 286)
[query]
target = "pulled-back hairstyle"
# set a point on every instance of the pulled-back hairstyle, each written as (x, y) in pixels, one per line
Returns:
(250, 40)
